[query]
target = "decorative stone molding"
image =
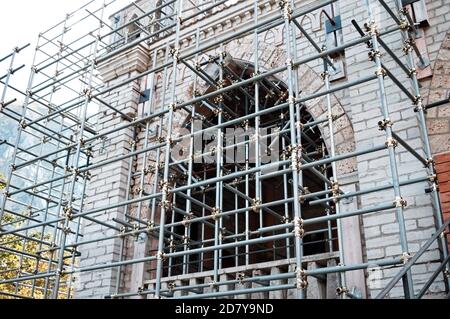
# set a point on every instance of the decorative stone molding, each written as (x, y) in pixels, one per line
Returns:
(438, 119)
(135, 59)
(238, 17)
(310, 82)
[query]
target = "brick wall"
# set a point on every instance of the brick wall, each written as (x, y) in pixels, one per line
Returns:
(443, 175)
(381, 229)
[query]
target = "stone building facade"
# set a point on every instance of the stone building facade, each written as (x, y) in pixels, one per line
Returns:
(370, 237)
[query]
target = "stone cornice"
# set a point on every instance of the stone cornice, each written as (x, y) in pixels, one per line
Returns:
(135, 59)
(236, 17)
(211, 28)
(232, 19)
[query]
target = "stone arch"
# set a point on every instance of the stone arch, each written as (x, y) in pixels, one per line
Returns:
(181, 75)
(307, 20)
(272, 57)
(438, 119)
(272, 190)
(311, 83)
(269, 36)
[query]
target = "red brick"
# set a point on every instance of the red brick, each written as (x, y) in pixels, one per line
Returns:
(442, 158)
(443, 177)
(445, 197)
(445, 207)
(444, 187)
(443, 167)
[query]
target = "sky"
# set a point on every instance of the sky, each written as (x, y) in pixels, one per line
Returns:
(22, 20)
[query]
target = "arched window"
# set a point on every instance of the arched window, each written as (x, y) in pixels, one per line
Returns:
(133, 30)
(237, 195)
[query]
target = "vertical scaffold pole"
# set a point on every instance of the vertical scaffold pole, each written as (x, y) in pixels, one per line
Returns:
(21, 128)
(295, 156)
(400, 203)
(165, 204)
(8, 77)
(189, 212)
(335, 182)
(408, 49)
(219, 172)
(75, 171)
(258, 195)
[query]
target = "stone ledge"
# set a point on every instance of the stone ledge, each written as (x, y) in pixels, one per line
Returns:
(232, 270)
(135, 59)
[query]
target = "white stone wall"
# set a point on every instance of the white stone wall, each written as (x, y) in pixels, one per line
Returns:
(108, 186)
(381, 229)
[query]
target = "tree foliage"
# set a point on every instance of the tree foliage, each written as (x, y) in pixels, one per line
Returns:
(21, 257)
(2, 181)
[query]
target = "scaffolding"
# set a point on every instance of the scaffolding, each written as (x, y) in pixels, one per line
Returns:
(207, 216)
